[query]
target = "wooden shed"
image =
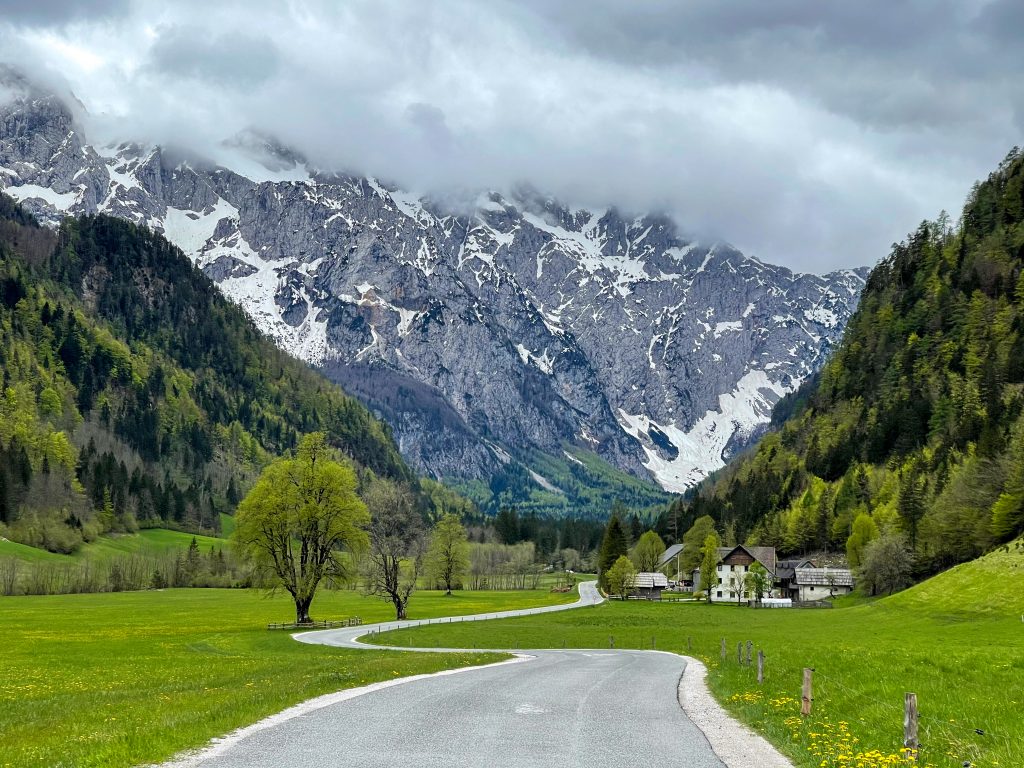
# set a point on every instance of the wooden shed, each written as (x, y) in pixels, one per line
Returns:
(648, 585)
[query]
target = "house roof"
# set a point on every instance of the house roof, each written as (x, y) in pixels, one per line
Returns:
(648, 580)
(824, 577)
(669, 554)
(786, 568)
(764, 555)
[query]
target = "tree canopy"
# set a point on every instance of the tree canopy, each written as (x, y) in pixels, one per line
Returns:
(621, 577)
(647, 552)
(448, 554)
(396, 534)
(613, 546)
(299, 518)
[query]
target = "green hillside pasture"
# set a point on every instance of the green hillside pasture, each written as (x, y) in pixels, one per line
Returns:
(956, 640)
(29, 554)
(131, 678)
(149, 541)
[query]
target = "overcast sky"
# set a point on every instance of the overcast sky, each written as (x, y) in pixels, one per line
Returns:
(808, 134)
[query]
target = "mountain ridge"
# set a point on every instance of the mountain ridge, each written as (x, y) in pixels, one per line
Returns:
(135, 394)
(914, 429)
(536, 324)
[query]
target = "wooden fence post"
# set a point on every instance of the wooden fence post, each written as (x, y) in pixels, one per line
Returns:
(689, 643)
(723, 649)
(910, 721)
(750, 647)
(808, 693)
(739, 653)
(760, 667)
(611, 641)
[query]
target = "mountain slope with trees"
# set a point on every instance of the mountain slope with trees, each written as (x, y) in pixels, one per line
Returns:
(134, 394)
(914, 429)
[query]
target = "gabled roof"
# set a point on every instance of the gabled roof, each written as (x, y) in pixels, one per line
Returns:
(646, 580)
(669, 554)
(824, 577)
(764, 555)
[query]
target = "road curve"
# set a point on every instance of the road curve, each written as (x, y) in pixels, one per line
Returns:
(349, 636)
(571, 709)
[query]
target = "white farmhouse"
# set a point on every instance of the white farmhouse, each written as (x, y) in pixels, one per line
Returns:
(734, 563)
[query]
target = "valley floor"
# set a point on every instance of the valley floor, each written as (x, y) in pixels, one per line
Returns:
(956, 640)
(130, 678)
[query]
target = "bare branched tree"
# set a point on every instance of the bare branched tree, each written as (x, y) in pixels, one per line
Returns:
(397, 543)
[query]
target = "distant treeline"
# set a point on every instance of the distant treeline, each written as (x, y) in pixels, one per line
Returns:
(192, 567)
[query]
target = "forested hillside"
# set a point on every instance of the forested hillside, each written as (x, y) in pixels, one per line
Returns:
(134, 394)
(914, 429)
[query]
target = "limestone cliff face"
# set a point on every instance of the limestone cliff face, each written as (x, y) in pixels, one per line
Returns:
(515, 325)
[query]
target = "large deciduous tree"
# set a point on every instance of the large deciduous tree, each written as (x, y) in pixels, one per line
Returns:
(448, 556)
(709, 564)
(864, 532)
(758, 582)
(621, 577)
(693, 543)
(887, 564)
(648, 551)
(396, 542)
(298, 519)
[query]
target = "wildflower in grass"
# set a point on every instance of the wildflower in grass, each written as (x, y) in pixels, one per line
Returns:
(747, 697)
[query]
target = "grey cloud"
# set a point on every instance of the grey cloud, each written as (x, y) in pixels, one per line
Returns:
(231, 58)
(811, 135)
(45, 13)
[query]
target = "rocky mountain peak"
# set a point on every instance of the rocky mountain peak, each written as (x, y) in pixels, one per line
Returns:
(514, 327)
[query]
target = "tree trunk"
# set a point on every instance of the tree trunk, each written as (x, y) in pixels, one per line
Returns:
(302, 610)
(400, 609)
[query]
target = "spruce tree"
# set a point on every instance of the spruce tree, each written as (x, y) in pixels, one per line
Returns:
(613, 546)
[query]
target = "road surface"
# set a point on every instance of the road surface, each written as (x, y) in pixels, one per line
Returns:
(557, 709)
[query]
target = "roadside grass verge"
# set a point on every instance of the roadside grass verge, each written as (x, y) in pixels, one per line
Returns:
(956, 640)
(131, 678)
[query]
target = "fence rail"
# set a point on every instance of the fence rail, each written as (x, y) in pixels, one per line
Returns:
(355, 621)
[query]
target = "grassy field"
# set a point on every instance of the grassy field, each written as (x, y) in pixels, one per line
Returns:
(30, 554)
(150, 541)
(129, 678)
(956, 640)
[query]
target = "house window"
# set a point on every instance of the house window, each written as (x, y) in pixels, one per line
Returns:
(719, 593)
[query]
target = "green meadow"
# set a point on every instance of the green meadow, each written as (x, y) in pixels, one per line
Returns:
(130, 678)
(149, 541)
(956, 640)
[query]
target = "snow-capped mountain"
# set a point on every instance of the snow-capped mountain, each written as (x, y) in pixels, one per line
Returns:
(509, 325)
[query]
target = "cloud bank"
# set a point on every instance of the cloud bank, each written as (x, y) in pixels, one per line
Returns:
(810, 135)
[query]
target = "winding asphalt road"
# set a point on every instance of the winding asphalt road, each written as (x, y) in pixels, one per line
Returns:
(562, 709)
